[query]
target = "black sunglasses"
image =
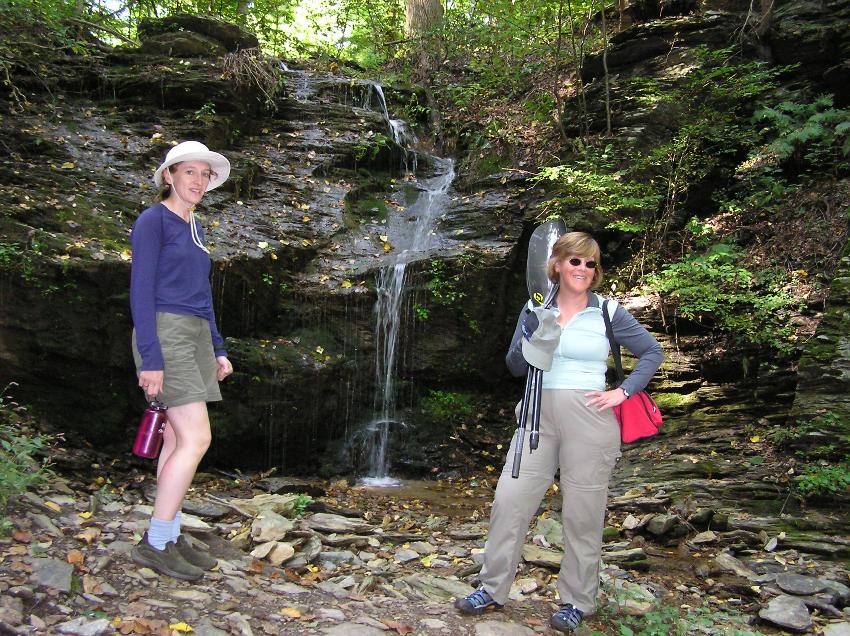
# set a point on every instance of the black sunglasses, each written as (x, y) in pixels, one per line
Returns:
(575, 262)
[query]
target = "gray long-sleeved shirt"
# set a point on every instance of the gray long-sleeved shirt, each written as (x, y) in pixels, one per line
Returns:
(583, 363)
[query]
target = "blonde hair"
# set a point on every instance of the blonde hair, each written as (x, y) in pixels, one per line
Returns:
(575, 244)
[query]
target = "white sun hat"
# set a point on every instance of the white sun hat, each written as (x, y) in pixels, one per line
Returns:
(195, 151)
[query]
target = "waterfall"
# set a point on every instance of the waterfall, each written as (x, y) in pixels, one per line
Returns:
(429, 205)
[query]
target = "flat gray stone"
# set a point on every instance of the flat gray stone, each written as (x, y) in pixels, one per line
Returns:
(799, 584)
(787, 612)
(353, 629)
(332, 613)
(404, 555)
(731, 564)
(325, 522)
(205, 627)
(837, 629)
(83, 626)
(840, 592)
(208, 509)
(499, 628)
(662, 524)
(52, 573)
(542, 556)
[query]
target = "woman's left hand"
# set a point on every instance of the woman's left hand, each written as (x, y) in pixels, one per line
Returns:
(603, 400)
(224, 367)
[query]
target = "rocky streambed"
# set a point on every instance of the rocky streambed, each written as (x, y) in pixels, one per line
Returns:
(346, 559)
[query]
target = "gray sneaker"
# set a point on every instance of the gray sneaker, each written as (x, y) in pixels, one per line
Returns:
(168, 561)
(193, 555)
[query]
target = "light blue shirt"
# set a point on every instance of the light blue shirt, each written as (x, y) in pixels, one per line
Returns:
(581, 358)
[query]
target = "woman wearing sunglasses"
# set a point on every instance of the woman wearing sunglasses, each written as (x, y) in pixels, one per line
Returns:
(578, 431)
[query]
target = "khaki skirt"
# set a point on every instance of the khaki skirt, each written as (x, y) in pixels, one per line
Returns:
(190, 364)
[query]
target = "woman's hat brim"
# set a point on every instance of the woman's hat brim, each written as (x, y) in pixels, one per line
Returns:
(218, 164)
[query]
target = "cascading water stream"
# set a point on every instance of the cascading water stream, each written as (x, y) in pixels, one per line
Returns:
(429, 205)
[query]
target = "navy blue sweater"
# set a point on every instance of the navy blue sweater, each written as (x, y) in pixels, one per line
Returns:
(169, 274)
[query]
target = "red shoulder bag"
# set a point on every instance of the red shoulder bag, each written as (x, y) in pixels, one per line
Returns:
(639, 415)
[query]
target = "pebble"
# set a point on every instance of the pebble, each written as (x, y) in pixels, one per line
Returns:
(800, 585)
(332, 613)
(404, 555)
(52, 573)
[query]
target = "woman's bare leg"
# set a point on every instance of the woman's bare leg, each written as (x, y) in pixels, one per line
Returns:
(190, 425)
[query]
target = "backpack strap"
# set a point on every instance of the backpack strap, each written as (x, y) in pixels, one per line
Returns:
(615, 347)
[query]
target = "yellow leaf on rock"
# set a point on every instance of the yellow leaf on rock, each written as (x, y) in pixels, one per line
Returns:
(84, 515)
(387, 247)
(384, 238)
(68, 165)
(426, 560)
(755, 439)
(181, 627)
(125, 255)
(53, 506)
(346, 284)
(305, 218)
(291, 612)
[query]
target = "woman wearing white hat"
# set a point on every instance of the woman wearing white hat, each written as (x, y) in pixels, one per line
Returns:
(179, 353)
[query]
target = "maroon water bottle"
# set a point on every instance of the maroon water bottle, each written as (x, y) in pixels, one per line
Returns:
(149, 437)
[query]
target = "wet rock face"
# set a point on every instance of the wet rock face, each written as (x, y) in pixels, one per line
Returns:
(229, 36)
(296, 238)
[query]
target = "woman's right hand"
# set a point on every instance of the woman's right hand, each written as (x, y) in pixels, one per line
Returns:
(151, 383)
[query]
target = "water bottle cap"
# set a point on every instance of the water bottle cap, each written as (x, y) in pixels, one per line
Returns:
(157, 405)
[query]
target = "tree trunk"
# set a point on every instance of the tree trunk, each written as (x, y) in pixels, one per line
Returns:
(421, 17)
(605, 70)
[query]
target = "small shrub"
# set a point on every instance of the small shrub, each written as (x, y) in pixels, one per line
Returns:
(824, 480)
(22, 460)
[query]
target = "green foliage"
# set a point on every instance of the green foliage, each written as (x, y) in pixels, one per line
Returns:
(670, 620)
(716, 289)
(301, 503)
(371, 145)
(205, 112)
(824, 480)
(581, 186)
(17, 259)
(22, 460)
(420, 313)
(815, 135)
(448, 406)
(444, 286)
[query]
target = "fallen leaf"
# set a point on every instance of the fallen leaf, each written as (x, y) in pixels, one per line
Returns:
(91, 585)
(346, 284)
(291, 612)
(84, 515)
(22, 536)
(400, 628)
(68, 165)
(53, 506)
(88, 535)
(75, 557)
(181, 627)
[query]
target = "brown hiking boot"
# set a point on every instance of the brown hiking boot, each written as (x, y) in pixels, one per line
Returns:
(168, 561)
(195, 556)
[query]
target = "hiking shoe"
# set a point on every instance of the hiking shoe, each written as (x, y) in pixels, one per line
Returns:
(168, 561)
(566, 619)
(193, 555)
(476, 603)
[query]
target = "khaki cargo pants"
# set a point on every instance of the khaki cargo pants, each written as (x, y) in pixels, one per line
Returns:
(585, 444)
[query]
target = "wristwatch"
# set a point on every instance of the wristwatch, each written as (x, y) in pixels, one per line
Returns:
(626, 393)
